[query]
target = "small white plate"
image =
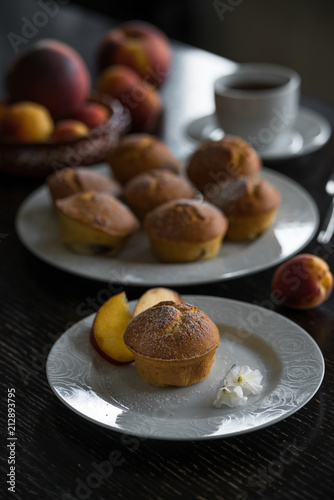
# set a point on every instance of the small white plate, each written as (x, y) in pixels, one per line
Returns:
(295, 225)
(117, 398)
(312, 131)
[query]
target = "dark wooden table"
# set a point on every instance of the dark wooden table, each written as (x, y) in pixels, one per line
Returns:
(56, 449)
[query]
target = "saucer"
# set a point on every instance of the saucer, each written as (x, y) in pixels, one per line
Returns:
(311, 132)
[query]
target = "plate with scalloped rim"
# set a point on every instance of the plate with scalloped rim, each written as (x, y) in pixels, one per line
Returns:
(115, 397)
(295, 225)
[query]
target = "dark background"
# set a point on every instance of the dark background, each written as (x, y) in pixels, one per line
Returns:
(297, 33)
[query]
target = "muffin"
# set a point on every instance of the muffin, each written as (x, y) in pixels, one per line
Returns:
(95, 223)
(185, 230)
(172, 343)
(149, 190)
(138, 153)
(250, 204)
(217, 161)
(70, 181)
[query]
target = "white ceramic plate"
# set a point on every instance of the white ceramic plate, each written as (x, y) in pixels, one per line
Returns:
(296, 223)
(311, 132)
(115, 397)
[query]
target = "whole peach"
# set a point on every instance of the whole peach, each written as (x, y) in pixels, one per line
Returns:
(66, 130)
(302, 282)
(140, 98)
(26, 122)
(139, 45)
(50, 73)
(91, 114)
(114, 80)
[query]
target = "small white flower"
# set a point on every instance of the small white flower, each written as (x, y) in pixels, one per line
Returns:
(238, 383)
(230, 396)
(249, 380)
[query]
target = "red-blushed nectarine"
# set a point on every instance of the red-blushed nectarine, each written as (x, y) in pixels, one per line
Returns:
(114, 80)
(140, 98)
(26, 122)
(92, 114)
(50, 73)
(66, 130)
(139, 45)
(302, 282)
(108, 327)
(155, 295)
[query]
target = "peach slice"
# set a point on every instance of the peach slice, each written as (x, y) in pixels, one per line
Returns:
(107, 331)
(154, 296)
(302, 282)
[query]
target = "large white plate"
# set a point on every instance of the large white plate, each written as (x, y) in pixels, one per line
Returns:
(296, 223)
(115, 397)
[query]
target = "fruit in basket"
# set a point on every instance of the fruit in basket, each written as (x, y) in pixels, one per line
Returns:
(107, 331)
(154, 296)
(50, 73)
(92, 114)
(140, 98)
(26, 122)
(66, 130)
(114, 80)
(139, 45)
(302, 282)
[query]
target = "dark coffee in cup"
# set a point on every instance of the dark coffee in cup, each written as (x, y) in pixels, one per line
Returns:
(251, 86)
(258, 102)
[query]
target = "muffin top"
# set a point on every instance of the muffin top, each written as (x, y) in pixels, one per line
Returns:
(100, 211)
(246, 196)
(171, 331)
(69, 181)
(217, 161)
(185, 221)
(137, 153)
(150, 189)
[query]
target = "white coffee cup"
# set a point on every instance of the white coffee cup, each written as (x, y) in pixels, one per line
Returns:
(258, 102)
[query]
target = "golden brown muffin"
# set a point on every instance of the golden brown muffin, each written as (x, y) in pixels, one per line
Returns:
(149, 190)
(185, 230)
(172, 343)
(138, 153)
(217, 161)
(93, 223)
(70, 181)
(250, 204)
